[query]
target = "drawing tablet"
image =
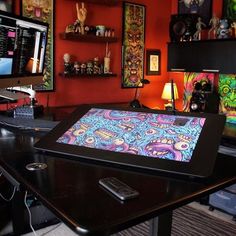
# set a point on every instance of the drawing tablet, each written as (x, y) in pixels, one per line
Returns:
(182, 143)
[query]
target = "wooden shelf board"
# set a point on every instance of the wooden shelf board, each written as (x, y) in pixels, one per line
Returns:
(87, 38)
(87, 76)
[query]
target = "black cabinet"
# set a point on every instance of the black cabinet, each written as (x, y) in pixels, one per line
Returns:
(203, 56)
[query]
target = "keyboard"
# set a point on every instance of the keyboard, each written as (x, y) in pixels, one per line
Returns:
(28, 124)
(12, 95)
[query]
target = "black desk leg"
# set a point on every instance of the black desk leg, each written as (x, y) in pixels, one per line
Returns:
(161, 225)
(18, 213)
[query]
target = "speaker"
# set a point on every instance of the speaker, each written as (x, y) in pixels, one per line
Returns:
(182, 27)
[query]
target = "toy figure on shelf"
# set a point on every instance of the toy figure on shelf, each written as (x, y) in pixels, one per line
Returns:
(67, 64)
(223, 29)
(199, 25)
(81, 16)
(70, 29)
(76, 67)
(96, 68)
(83, 68)
(89, 68)
(233, 29)
(214, 23)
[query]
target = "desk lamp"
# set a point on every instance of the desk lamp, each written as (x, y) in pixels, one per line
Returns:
(135, 103)
(170, 93)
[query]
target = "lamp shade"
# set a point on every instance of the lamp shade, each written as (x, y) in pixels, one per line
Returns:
(166, 94)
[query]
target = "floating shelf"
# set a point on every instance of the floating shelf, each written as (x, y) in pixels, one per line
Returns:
(103, 2)
(87, 76)
(87, 38)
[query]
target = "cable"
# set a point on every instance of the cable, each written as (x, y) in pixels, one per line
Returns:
(30, 218)
(13, 193)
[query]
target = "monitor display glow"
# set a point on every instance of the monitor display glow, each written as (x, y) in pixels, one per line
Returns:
(22, 46)
(151, 135)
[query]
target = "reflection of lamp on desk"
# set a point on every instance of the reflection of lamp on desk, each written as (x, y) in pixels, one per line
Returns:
(170, 93)
(135, 103)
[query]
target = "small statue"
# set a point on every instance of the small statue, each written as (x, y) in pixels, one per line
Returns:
(70, 28)
(89, 67)
(96, 68)
(214, 23)
(223, 29)
(83, 68)
(67, 64)
(233, 29)
(81, 15)
(197, 35)
(77, 68)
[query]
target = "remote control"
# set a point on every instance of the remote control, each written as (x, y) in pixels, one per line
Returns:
(118, 188)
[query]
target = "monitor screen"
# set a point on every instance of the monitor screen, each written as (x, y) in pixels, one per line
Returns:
(22, 48)
(173, 142)
(152, 135)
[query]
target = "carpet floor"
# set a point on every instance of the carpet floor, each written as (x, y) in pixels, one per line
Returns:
(187, 221)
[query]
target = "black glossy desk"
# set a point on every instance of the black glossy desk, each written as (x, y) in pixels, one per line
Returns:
(71, 191)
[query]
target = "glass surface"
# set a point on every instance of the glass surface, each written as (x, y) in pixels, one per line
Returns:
(150, 135)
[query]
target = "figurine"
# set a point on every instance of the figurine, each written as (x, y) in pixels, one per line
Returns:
(197, 35)
(77, 67)
(67, 64)
(70, 28)
(96, 68)
(83, 68)
(214, 23)
(223, 30)
(81, 16)
(89, 67)
(233, 29)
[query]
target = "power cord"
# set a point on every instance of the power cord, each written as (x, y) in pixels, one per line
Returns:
(30, 217)
(13, 193)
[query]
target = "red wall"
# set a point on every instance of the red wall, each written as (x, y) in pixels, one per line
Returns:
(108, 90)
(105, 90)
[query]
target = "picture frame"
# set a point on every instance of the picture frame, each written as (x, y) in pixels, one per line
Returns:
(153, 62)
(133, 45)
(43, 11)
(201, 7)
(7, 5)
(228, 10)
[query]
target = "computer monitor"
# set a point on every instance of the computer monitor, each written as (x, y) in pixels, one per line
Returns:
(22, 50)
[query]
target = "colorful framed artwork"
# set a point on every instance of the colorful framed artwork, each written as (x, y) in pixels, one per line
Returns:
(6, 5)
(227, 91)
(43, 11)
(153, 59)
(201, 7)
(133, 45)
(229, 9)
(190, 79)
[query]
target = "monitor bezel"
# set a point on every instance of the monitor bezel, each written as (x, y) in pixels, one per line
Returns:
(200, 165)
(12, 80)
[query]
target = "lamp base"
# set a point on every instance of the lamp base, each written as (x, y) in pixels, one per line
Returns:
(135, 104)
(168, 106)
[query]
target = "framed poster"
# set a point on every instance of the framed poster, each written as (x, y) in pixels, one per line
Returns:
(153, 57)
(201, 7)
(133, 45)
(43, 11)
(6, 5)
(229, 9)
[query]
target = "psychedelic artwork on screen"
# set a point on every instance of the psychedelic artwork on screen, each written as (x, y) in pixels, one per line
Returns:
(151, 135)
(227, 91)
(190, 79)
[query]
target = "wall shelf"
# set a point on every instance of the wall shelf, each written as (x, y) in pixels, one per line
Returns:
(74, 76)
(211, 56)
(87, 38)
(102, 2)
